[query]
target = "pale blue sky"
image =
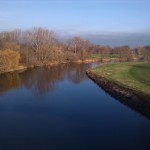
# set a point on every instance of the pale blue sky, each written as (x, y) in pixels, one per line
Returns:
(78, 16)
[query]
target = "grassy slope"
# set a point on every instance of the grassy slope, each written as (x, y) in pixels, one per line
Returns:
(134, 76)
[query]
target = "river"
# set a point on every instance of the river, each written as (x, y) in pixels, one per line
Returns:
(60, 108)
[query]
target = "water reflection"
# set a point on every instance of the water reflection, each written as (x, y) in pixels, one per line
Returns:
(76, 72)
(9, 81)
(43, 80)
(73, 114)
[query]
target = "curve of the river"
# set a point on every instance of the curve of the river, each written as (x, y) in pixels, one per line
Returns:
(60, 108)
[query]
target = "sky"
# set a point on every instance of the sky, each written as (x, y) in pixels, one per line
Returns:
(108, 22)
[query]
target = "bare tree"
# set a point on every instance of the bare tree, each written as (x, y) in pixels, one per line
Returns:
(146, 53)
(42, 43)
(79, 47)
(124, 52)
(10, 40)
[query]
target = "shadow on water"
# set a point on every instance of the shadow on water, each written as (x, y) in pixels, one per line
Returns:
(136, 100)
(141, 106)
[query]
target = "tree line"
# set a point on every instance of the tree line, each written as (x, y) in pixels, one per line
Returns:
(142, 53)
(40, 46)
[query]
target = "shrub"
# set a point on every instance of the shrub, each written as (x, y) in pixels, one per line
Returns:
(9, 59)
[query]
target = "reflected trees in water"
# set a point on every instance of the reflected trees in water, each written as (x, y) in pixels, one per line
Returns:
(9, 81)
(44, 79)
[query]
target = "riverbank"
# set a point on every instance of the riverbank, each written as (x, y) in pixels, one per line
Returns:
(23, 67)
(128, 82)
(17, 69)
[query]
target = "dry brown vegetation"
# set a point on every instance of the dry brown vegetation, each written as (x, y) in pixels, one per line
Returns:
(9, 59)
(39, 46)
(143, 53)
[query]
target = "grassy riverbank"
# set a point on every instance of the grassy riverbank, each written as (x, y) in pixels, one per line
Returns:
(127, 82)
(134, 76)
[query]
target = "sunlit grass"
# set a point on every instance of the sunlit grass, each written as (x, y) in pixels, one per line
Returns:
(131, 75)
(104, 55)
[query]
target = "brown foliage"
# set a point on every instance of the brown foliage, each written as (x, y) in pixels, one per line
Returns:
(42, 43)
(8, 60)
(103, 50)
(79, 47)
(146, 53)
(40, 46)
(124, 52)
(10, 40)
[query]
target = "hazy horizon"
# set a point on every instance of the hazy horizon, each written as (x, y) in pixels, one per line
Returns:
(110, 38)
(110, 22)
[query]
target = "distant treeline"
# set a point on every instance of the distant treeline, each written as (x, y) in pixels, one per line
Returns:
(39, 46)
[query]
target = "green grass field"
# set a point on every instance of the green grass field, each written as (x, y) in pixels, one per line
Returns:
(134, 76)
(104, 56)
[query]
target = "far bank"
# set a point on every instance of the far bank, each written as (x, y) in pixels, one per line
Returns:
(24, 67)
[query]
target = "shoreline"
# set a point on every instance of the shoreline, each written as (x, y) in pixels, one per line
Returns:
(87, 60)
(23, 67)
(138, 101)
(18, 69)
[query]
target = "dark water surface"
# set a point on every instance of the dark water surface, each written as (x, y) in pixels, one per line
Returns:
(59, 108)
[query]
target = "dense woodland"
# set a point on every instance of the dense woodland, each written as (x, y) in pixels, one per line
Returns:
(39, 46)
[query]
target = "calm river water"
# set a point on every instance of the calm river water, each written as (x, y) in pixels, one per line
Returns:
(60, 108)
